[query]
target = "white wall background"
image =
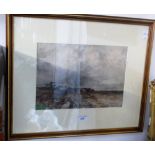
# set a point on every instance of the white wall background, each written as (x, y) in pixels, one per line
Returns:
(133, 136)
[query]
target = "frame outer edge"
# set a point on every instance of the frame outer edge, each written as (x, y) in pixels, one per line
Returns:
(146, 76)
(9, 72)
(109, 19)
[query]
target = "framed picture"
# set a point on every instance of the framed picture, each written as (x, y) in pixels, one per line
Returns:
(151, 127)
(72, 75)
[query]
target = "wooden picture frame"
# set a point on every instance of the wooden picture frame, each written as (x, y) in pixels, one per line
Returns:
(151, 127)
(13, 42)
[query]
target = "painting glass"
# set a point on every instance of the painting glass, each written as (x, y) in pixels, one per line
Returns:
(79, 76)
(73, 75)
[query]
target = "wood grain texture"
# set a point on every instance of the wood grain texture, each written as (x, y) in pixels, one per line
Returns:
(87, 17)
(146, 76)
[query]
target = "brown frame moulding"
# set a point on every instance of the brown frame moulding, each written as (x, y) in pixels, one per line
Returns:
(96, 18)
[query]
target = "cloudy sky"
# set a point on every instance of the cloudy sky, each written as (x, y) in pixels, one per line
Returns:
(98, 67)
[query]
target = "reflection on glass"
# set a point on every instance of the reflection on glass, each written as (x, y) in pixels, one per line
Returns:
(79, 76)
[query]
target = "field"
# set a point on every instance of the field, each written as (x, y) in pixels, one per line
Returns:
(84, 98)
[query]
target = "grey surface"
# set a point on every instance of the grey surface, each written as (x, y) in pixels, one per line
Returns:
(2, 64)
(2, 73)
(100, 67)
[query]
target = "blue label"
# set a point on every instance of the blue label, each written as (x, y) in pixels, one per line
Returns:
(83, 117)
